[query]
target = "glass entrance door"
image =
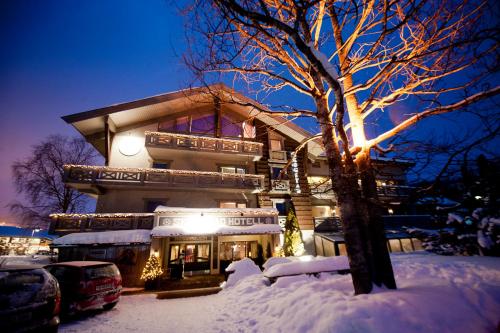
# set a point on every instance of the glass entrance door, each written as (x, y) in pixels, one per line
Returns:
(196, 256)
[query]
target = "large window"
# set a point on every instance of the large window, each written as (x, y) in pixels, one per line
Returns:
(232, 169)
(196, 123)
(232, 204)
(205, 124)
(238, 250)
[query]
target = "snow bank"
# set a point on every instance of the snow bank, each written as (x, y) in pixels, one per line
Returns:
(242, 269)
(437, 294)
(308, 265)
(275, 261)
(105, 237)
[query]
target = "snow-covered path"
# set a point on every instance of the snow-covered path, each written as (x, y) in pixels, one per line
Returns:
(146, 314)
(436, 294)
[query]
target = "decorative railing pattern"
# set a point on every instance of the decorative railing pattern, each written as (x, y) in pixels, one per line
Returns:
(324, 190)
(98, 175)
(280, 185)
(202, 143)
(66, 223)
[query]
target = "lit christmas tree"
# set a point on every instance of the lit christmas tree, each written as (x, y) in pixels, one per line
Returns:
(293, 244)
(152, 270)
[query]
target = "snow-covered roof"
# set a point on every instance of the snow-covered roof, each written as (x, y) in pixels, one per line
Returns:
(105, 237)
(256, 229)
(165, 210)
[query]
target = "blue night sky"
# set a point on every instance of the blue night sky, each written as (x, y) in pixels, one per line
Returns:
(64, 57)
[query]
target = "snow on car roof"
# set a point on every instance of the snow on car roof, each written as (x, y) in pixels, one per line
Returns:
(81, 263)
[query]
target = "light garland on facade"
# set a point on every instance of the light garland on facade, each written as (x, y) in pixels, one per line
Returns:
(168, 171)
(187, 136)
(107, 215)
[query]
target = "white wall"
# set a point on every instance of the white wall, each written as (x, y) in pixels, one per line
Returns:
(133, 201)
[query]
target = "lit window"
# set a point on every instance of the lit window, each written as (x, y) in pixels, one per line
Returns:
(275, 144)
(233, 169)
(232, 204)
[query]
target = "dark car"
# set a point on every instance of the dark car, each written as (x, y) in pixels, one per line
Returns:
(87, 285)
(29, 299)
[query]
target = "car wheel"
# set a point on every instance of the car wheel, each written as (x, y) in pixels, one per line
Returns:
(109, 306)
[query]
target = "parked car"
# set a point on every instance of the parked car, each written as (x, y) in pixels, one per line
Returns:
(29, 299)
(87, 285)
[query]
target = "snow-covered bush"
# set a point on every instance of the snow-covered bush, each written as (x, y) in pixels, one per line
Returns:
(240, 269)
(474, 234)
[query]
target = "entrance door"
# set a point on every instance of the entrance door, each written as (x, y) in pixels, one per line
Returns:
(196, 256)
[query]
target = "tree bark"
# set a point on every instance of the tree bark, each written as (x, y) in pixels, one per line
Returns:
(382, 273)
(353, 210)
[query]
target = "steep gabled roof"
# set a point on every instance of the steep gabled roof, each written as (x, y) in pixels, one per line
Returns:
(91, 124)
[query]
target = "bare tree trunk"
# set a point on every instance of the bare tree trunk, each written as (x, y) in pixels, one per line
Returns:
(382, 273)
(353, 211)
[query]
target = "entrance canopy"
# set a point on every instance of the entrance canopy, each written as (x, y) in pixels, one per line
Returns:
(179, 221)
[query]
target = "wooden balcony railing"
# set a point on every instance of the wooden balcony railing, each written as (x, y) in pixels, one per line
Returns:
(68, 223)
(280, 185)
(324, 190)
(102, 176)
(203, 144)
(278, 156)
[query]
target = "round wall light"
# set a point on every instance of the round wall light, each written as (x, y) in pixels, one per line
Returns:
(130, 145)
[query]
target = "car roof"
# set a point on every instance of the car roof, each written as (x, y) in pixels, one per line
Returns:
(19, 267)
(81, 263)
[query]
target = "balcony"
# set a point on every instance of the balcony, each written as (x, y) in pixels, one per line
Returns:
(278, 156)
(321, 188)
(157, 142)
(394, 191)
(95, 179)
(68, 223)
(280, 186)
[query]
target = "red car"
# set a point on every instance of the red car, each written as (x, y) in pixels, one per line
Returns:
(87, 285)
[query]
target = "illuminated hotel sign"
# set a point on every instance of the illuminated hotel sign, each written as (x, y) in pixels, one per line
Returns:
(219, 220)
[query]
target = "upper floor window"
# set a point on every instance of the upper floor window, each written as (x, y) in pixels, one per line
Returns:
(276, 173)
(276, 144)
(232, 169)
(160, 165)
(205, 124)
(232, 204)
(196, 123)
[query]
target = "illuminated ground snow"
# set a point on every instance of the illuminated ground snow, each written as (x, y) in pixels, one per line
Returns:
(436, 294)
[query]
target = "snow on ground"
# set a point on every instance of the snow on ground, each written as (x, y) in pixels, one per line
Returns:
(436, 294)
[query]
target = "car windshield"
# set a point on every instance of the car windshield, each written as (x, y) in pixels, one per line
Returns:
(99, 272)
(19, 287)
(64, 274)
